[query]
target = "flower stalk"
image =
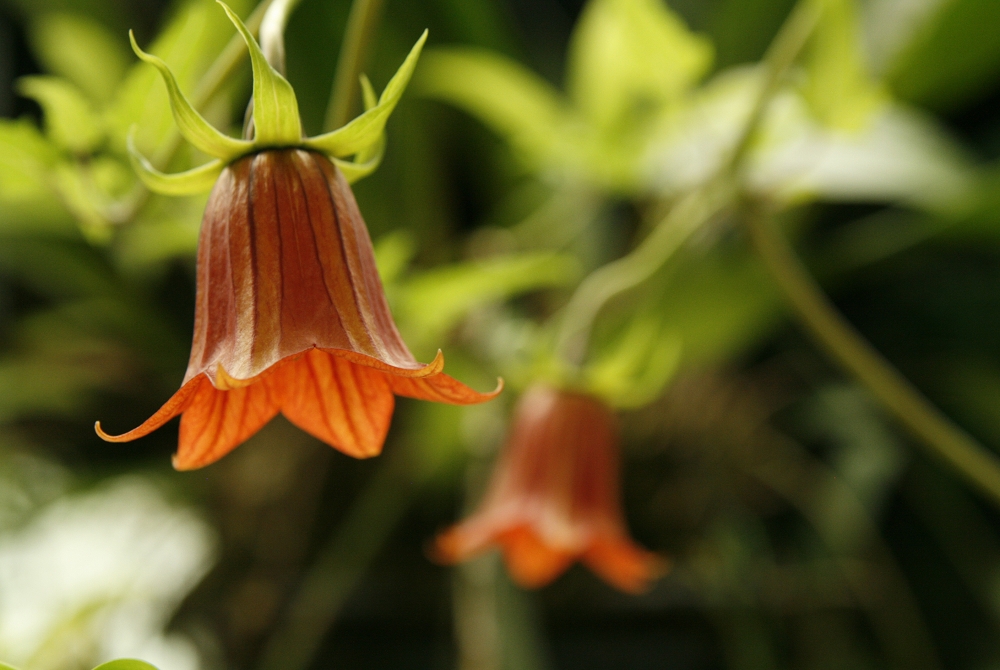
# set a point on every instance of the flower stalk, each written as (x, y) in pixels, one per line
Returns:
(361, 24)
(691, 212)
(852, 352)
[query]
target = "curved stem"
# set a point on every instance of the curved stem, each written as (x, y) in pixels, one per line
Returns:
(361, 24)
(779, 59)
(852, 352)
(691, 212)
(631, 270)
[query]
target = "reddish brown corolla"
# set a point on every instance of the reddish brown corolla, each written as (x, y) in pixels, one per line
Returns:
(291, 316)
(554, 498)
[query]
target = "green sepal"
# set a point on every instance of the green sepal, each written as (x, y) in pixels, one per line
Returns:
(365, 130)
(368, 92)
(70, 120)
(196, 180)
(362, 165)
(195, 129)
(275, 109)
(367, 160)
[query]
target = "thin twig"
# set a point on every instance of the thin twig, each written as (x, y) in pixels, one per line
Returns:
(851, 351)
(361, 23)
(688, 215)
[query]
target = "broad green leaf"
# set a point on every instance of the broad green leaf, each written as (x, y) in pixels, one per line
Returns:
(168, 232)
(82, 199)
(839, 89)
(25, 159)
(634, 369)
(81, 50)
(192, 125)
(275, 109)
(365, 130)
(719, 304)
(628, 57)
(4, 666)
(70, 120)
(900, 156)
(434, 302)
(513, 101)
(126, 664)
(393, 253)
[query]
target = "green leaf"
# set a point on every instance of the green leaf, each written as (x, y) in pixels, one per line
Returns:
(4, 666)
(25, 159)
(190, 182)
(81, 50)
(393, 253)
(515, 102)
(631, 56)
(193, 125)
(365, 130)
(839, 88)
(126, 664)
(431, 304)
(275, 109)
(634, 370)
(70, 121)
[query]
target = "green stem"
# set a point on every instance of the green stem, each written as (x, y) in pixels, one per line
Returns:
(779, 59)
(849, 349)
(690, 213)
(631, 270)
(340, 564)
(361, 23)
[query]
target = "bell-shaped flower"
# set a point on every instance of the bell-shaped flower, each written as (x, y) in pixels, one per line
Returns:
(290, 313)
(554, 498)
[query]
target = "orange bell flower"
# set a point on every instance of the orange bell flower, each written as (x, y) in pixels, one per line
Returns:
(291, 316)
(554, 498)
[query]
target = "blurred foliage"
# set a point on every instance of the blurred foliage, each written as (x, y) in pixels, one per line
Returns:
(539, 141)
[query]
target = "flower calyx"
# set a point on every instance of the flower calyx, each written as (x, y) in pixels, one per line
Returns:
(276, 123)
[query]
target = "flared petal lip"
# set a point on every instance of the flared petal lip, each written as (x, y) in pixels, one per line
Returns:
(179, 401)
(631, 568)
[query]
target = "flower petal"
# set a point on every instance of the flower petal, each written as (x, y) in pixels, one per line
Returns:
(624, 564)
(192, 125)
(177, 403)
(531, 562)
(217, 421)
(441, 388)
(346, 405)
